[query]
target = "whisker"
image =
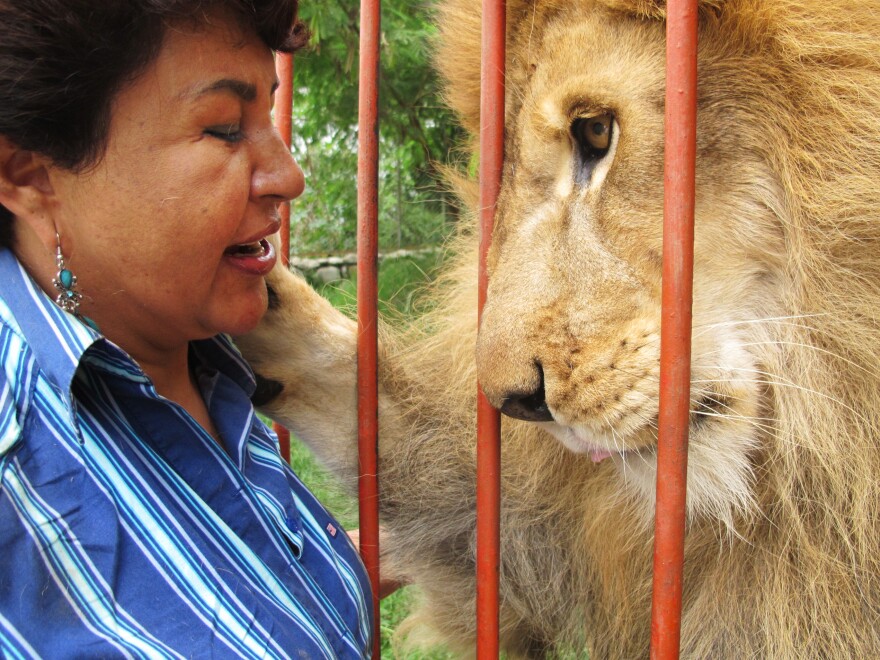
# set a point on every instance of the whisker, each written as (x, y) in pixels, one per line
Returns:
(618, 446)
(777, 320)
(761, 427)
(806, 390)
(814, 348)
(699, 329)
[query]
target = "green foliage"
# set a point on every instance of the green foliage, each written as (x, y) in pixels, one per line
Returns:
(401, 283)
(415, 130)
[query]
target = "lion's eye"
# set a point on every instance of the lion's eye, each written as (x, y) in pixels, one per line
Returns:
(592, 136)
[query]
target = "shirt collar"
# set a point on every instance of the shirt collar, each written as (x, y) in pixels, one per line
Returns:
(220, 353)
(58, 339)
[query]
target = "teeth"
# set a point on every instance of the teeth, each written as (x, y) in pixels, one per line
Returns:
(248, 249)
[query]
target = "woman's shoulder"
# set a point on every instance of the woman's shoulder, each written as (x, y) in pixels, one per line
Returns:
(18, 379)
(40, 352)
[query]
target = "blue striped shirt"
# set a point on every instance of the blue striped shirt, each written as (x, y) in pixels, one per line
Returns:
(125, 529)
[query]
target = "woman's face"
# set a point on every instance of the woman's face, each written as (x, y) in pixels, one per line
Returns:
(167, 234)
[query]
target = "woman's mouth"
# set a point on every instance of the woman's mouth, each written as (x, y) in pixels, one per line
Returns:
(256, 258)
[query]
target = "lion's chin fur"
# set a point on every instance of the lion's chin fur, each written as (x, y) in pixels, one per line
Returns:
(783, 531)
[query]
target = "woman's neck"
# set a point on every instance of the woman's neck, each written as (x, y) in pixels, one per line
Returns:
(175, 380)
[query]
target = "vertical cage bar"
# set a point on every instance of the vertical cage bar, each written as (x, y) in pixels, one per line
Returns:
(675, 329)
(488, 419)
(367, 299)
(283, 117)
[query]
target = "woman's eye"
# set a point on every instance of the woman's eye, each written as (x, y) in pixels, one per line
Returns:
(227, 133)
(592, 137)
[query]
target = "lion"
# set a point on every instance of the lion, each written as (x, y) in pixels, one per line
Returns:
(782, 547)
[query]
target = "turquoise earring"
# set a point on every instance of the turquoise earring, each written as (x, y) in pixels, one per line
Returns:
(65, 282)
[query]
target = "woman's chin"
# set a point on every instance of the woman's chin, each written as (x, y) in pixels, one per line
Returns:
(242, 314)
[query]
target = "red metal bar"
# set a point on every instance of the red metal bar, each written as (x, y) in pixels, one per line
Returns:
(283, 117)
(367, 297)
(488, 419)
(675, 329)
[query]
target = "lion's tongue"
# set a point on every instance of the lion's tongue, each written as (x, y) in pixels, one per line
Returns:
(599, 455)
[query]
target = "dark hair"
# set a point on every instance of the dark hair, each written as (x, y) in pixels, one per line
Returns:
(63, 61)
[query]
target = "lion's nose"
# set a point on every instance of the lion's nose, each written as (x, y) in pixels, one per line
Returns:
(528, 406)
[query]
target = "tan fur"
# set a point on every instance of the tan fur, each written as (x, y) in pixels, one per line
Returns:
(784, 485)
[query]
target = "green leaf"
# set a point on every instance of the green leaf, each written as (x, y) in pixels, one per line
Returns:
(416, 131)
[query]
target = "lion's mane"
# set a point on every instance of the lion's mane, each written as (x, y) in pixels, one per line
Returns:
(797, 571)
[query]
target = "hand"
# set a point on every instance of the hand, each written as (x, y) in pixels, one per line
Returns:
(307, 350)
(387, 585)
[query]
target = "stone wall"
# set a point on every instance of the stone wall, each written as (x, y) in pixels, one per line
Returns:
(337, 267)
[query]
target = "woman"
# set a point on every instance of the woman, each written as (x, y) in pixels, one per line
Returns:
(144, 510)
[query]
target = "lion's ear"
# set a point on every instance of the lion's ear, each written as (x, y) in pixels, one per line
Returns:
(653, 8)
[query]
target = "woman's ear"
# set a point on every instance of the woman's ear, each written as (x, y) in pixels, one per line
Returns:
(26, 189)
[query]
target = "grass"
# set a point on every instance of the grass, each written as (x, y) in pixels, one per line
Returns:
(400, 281)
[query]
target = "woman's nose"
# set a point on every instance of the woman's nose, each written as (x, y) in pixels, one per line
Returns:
(276, 173)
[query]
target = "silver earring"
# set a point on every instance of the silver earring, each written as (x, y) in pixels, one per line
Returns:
(65, 282)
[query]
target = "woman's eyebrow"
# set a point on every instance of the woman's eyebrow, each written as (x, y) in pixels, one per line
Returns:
(244, 90)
